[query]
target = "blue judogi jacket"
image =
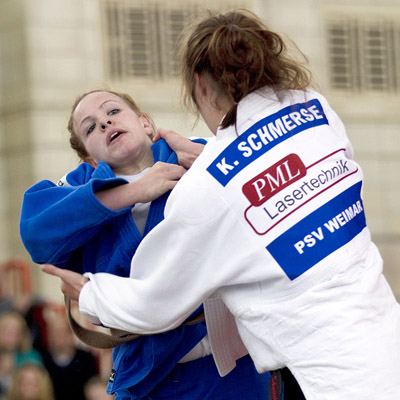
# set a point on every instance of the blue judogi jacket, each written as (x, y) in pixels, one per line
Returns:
(68, 227)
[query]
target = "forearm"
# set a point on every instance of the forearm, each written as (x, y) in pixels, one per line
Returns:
(55, 221)
(131, 305)
(120, 197)
(159, 179)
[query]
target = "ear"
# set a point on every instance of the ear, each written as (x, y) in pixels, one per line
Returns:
(146, 123)
(201, 87)
(91, 161)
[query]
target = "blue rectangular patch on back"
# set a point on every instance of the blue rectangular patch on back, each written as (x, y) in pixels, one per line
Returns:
(320, 234)
(263, 136)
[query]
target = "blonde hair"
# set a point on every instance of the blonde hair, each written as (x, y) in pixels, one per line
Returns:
(75, 142)
(25, 343)
(240, 55)
(46, 391)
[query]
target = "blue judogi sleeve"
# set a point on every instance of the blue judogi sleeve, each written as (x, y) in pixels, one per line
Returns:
(56, 221)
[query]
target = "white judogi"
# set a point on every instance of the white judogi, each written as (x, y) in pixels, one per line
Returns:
(269, 223)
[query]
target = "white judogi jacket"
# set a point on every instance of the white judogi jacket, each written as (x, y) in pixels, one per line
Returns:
(269, 224)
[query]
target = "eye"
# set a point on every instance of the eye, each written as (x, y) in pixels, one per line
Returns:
(114, 111)
(91, 129)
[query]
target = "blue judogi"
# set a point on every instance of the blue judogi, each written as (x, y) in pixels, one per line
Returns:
(65, 225)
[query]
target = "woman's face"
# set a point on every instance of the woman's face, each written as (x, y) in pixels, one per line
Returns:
(10, 333)
(29, 384)
(112, 132)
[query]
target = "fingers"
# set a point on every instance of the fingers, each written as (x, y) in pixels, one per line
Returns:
(66, 275)
(174, 139)
(51, 270)
(177, 172)
(157, 136)
(186, 150)
(162, 134)
(71, 282)
(169, 171)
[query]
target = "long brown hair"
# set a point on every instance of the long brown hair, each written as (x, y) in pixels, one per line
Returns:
(240, 55)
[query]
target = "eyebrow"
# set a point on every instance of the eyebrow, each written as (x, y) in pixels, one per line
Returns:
(101, 106)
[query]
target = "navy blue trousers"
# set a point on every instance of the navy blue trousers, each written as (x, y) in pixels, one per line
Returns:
(199, 380)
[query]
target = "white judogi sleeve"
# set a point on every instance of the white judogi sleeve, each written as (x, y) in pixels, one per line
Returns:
(195, 250)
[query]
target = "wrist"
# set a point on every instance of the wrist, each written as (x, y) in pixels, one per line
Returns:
(191, 156)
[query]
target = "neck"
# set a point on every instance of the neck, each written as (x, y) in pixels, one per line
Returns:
(133, 169)
(134, 164)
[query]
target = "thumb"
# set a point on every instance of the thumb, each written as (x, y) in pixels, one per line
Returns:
(158, 135)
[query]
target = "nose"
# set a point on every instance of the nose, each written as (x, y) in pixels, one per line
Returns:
(103, 125)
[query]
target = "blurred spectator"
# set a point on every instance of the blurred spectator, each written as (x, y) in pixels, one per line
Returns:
(15, 337)
(16, 294)
(31, 382)
(15, 286)
(21, 303)
(6, 370)
(69, 366)
(30, 308)
(95, 389)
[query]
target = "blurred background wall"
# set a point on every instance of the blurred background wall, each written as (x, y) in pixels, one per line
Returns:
(53, 50)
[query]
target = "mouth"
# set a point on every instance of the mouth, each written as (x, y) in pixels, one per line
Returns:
(114, 135)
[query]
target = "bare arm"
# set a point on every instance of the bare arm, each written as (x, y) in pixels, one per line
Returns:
(161, 178)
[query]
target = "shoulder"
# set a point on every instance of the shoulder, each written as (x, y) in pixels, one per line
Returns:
(78, 176)
(195, 198)
(85, 172)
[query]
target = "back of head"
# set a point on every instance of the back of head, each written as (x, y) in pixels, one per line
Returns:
(240, 55)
